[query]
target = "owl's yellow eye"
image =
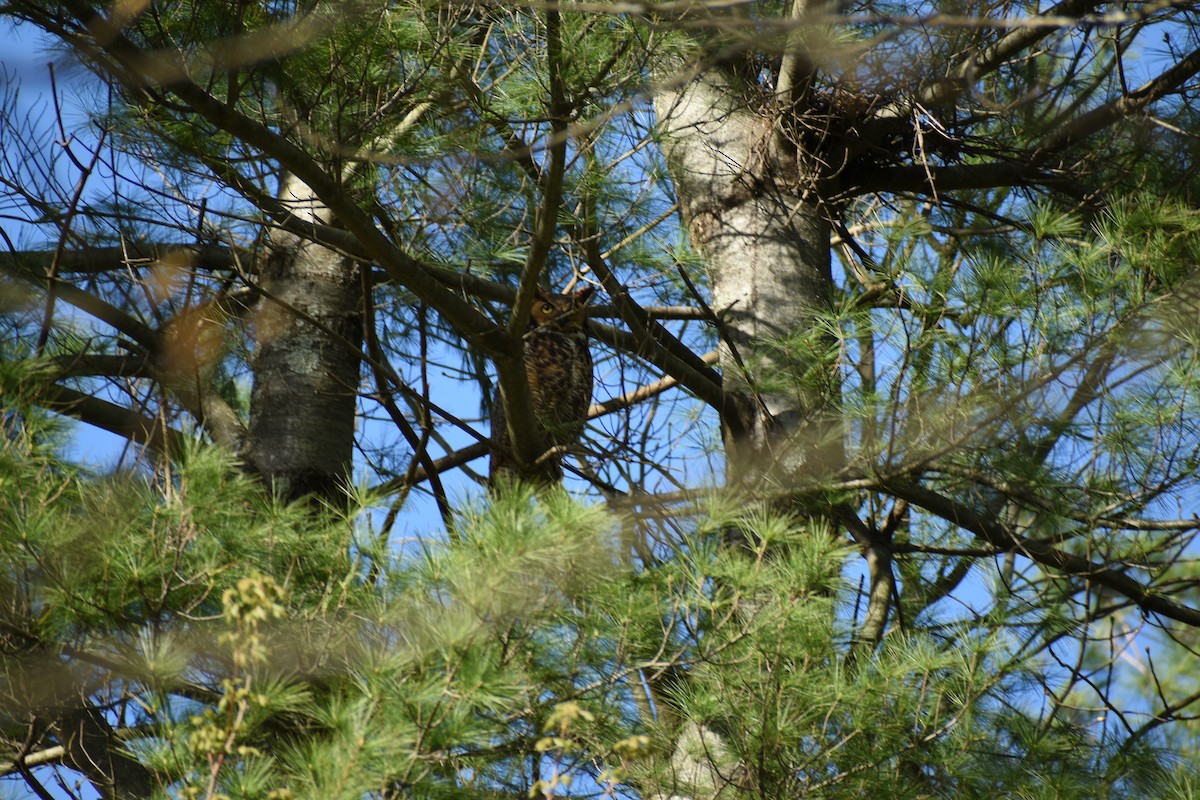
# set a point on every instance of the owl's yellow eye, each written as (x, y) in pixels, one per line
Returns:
(547, 308)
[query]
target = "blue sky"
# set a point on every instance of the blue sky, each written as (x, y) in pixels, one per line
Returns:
(25, 69)
(24, 65)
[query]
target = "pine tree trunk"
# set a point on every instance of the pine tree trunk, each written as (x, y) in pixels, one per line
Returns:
(306, 365)
(768, 249)
(768, 253)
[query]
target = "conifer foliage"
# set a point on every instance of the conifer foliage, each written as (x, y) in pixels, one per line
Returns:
(888, 487)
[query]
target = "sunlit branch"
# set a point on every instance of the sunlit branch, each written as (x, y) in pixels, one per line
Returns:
(998, 534)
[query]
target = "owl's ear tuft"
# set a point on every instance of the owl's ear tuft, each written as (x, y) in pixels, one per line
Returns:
(584, 294)
(542, 294)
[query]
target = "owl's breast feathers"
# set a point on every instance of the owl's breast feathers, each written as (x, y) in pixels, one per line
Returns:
(558, 365)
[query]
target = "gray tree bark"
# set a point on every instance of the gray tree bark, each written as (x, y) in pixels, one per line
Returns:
(767, 244)
(308, 333)
(743, 191)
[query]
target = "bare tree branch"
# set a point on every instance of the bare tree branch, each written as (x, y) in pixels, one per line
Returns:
(1066, 564)
(148, 431)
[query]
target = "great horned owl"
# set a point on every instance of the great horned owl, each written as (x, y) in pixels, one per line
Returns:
(559, 367)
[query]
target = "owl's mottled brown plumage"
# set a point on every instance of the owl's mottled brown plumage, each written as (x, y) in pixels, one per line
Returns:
(559, 367)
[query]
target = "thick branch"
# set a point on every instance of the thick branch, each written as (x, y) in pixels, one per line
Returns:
(92, 747)
(652, 341)
(50, 755)
(148, 431)
(987, 60)
(1032, 168)
(642, 393)
(127, 64)
(87, 302)
(999, 535)
(527, 441)
(1115, 110)
(97, 260)
(877, 549)
(922, 178)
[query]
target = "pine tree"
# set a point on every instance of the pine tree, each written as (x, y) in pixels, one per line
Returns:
(888, 490)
